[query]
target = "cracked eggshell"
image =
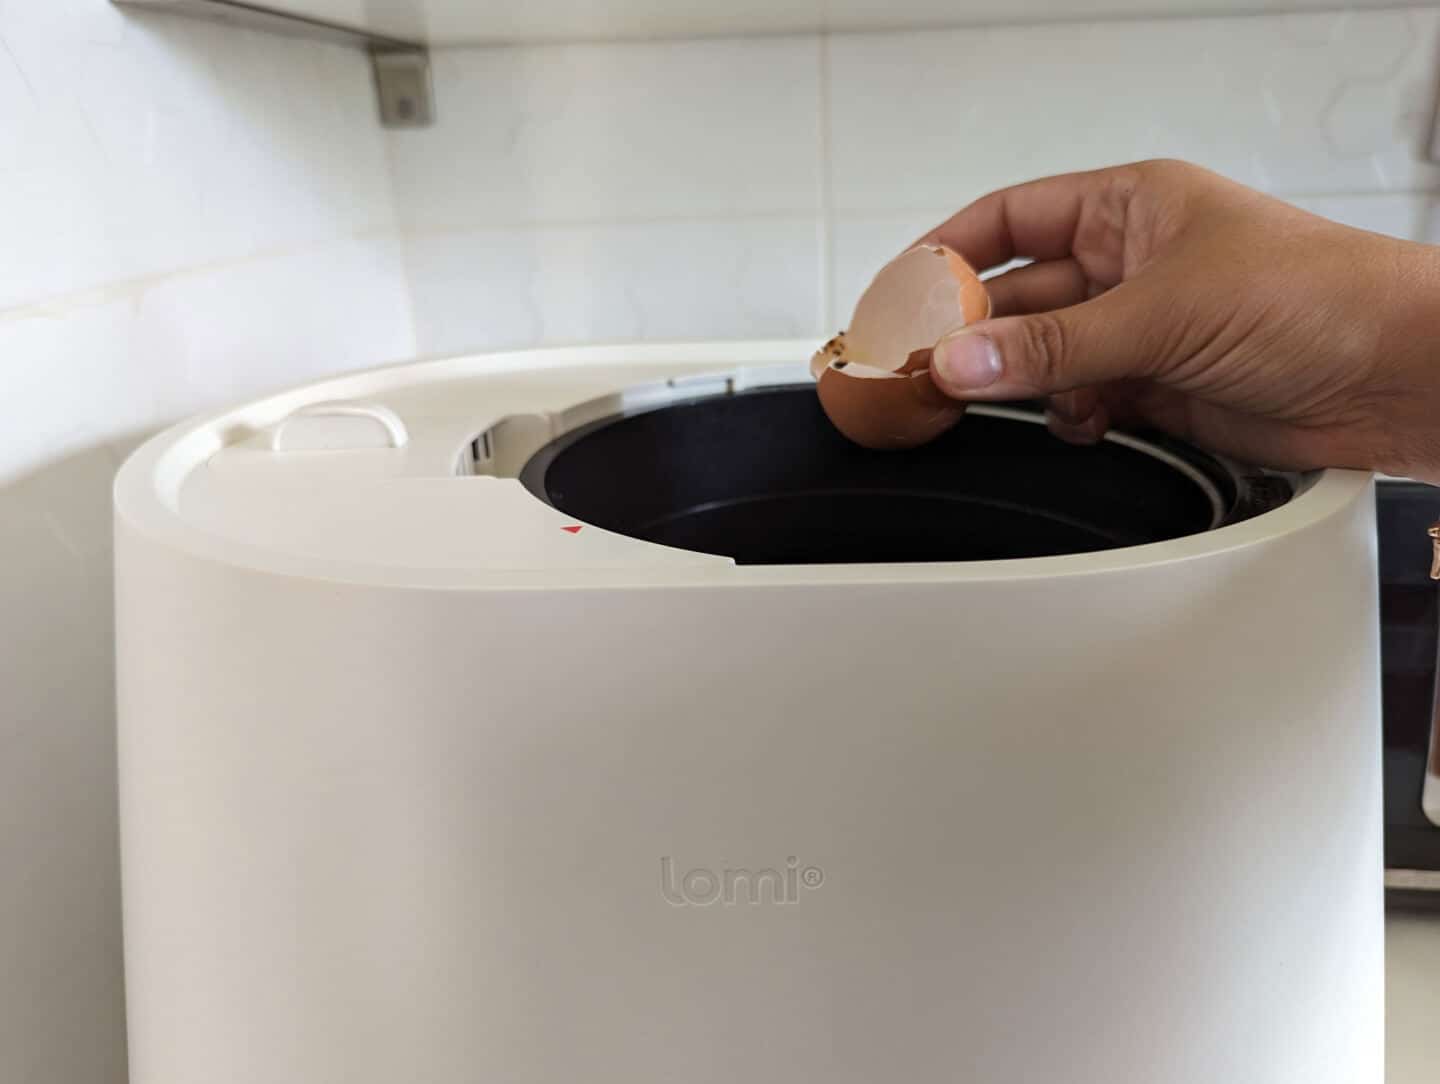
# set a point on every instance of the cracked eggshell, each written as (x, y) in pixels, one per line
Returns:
(874, 379)
(884, 410)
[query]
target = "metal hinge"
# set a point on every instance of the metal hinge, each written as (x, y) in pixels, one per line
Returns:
(402, 81)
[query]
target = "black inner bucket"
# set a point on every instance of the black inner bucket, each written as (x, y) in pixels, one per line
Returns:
(763, 477)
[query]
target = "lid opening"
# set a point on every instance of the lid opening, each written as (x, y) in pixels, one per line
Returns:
(764, 478)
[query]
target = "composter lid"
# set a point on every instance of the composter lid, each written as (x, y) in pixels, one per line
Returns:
(676, 464)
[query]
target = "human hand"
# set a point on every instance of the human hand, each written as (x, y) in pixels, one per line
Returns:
(1166, 295)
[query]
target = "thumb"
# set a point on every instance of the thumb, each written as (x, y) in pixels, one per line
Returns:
(1023, 357)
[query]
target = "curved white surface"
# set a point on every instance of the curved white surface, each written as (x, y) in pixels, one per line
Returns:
(406, 515)
(384, 816)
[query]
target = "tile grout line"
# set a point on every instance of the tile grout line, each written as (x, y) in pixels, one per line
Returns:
(826, 195)
(106, 291)
(876, 213)
(517, 225)
(131, 288)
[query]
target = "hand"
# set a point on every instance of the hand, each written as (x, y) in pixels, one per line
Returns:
(1165, 295)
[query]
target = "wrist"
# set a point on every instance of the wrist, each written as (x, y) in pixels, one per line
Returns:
(1406, 418)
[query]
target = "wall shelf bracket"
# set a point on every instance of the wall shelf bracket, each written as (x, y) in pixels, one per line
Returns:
(402, 83)
(402, 68)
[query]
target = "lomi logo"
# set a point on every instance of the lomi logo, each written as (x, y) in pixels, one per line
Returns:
(701, 886)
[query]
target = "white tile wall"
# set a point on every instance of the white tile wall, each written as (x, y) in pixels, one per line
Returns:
(601, 192)
(187, 216)
(544, 153)
(860, 243)
(125, 153)
(1298, 104)
(629, 132)
(1329, 109)
(599, 282)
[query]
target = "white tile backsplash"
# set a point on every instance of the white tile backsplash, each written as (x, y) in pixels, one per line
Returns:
(134, 357)
(873, 137)
(601, 133)
(1294, 104)
(601, 192)
(860, 244)
(188, 215)
(124, 153)
(615, 282)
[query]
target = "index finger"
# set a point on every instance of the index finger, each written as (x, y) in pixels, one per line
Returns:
(1038, 220)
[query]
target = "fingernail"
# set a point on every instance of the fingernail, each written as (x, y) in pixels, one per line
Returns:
(967, 361)
(1070, 409)
(1090, 431)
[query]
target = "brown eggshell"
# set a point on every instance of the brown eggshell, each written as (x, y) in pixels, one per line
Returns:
(873, 379)
(913, 302)
(888, 411)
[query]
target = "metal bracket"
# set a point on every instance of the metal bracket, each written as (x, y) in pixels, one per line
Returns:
(402, 68)
(402, 81)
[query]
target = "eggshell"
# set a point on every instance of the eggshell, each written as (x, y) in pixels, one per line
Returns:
(887, 411)
(873, 379)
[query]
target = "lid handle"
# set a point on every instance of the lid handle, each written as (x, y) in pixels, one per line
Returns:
(337, 426)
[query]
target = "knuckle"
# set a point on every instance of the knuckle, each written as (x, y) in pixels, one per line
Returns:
(1047, 345)
(1166, 168)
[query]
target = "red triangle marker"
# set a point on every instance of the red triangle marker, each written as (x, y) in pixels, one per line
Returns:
(572, 530)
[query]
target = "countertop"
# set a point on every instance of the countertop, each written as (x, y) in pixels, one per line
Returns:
(1412, 990)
